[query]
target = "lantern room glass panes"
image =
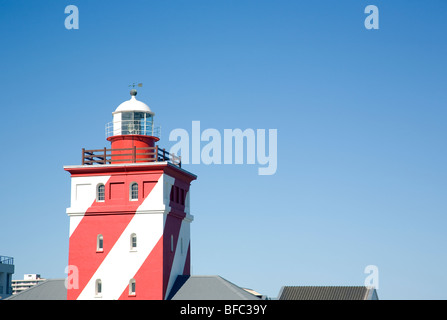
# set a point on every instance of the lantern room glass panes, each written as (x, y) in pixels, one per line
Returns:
(136, 123)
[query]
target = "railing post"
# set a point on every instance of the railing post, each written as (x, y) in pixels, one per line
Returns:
(83, 156)
(105, 155)
(134, 154)
(156, 153)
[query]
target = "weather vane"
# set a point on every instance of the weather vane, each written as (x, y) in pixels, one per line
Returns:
(133, 91)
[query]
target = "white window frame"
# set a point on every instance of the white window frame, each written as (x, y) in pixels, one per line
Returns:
(99, 243)
(132, 237)
(98, 288)
(132, 291)
(103, 193)
(131, 198)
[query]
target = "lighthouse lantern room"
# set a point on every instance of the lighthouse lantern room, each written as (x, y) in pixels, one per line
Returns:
(133, 117)
(129, 213)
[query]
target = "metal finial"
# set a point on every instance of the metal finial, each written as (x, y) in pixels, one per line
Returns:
(133, 91)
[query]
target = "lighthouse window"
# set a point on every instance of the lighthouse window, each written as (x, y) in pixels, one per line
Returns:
(134, 191)
(99, 243)
(100, 193)
(98, 288)
(133, 123)
(138, 115)
(132, 115)
(133, 242)
(132, 287)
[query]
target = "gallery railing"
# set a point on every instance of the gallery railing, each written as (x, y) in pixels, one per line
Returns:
(128, 155)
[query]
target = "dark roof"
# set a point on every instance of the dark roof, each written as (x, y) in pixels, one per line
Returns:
(207, 288)
(184, 288)
(327, 293)
(51, 289)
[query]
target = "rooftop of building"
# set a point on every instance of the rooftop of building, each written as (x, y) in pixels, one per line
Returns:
(207, 288)
(185, 288)
(327, 293)
(51, 289)
(214, 287)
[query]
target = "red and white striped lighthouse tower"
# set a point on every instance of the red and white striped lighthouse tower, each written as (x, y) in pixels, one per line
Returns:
(129, 214)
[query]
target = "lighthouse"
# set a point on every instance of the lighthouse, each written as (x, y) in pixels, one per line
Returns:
(129, 214)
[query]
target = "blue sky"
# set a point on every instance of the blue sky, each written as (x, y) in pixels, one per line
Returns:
(360, 116)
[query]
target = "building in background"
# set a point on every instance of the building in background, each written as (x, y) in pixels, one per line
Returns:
(29, 280)
(6, 272)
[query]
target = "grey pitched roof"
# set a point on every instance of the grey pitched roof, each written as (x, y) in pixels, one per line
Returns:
(184, 288)
(327, 293)
(51, 289)
(207, 288)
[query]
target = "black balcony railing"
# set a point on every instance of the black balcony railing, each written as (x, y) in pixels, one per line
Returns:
(6, 260)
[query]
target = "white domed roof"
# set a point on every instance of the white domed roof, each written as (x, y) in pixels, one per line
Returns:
(133, 105)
